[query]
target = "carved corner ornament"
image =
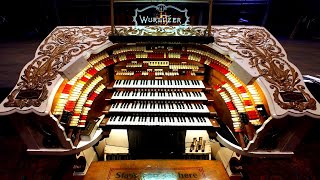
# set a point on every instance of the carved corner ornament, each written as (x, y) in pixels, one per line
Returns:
(267, 57)
(54, 52)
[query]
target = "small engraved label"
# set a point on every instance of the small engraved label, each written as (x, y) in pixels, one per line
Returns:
(29, 94)
(293, 97)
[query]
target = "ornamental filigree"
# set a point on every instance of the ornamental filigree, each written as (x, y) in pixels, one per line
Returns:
(161, 31)
(55, 51)
(267, 57)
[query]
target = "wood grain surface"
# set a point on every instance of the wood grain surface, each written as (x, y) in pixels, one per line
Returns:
(157, 169)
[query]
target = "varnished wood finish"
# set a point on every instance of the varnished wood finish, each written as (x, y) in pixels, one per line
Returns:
(213, 112)
(214, 123)
(157, 169)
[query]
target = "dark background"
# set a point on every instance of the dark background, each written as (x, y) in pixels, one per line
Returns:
(36, 18)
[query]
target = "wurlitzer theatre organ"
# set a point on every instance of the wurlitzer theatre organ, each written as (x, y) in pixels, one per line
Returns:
(83, 85)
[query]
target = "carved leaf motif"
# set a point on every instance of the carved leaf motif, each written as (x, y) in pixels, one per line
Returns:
(56, 51)
(267, 57)
(161, 31)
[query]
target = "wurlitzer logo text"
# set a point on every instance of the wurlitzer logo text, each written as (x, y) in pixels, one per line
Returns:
(161, 17)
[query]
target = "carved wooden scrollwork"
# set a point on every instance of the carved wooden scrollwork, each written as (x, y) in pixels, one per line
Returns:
(55, 51)
(268, 58)
(161, 31)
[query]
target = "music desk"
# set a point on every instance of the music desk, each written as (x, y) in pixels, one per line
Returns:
(157, 169)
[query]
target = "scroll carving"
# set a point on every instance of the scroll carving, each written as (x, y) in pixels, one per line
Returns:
(55, 51)
(161, 31)
(268, 58)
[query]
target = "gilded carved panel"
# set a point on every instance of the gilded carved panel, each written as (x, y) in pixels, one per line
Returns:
(160, 31)
(54, 52)
(268, 58)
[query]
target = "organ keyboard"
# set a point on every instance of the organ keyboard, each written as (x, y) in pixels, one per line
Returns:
(159, 105)
(158, 100)
(158, 84)
(187, 122)
(149, 106)
(159, 95)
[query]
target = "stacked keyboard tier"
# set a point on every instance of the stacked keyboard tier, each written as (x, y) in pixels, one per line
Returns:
(158, 84)
(159, 94)
(157, 101)
(158, 120)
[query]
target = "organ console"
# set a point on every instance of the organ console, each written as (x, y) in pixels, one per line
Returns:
(161, 90)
